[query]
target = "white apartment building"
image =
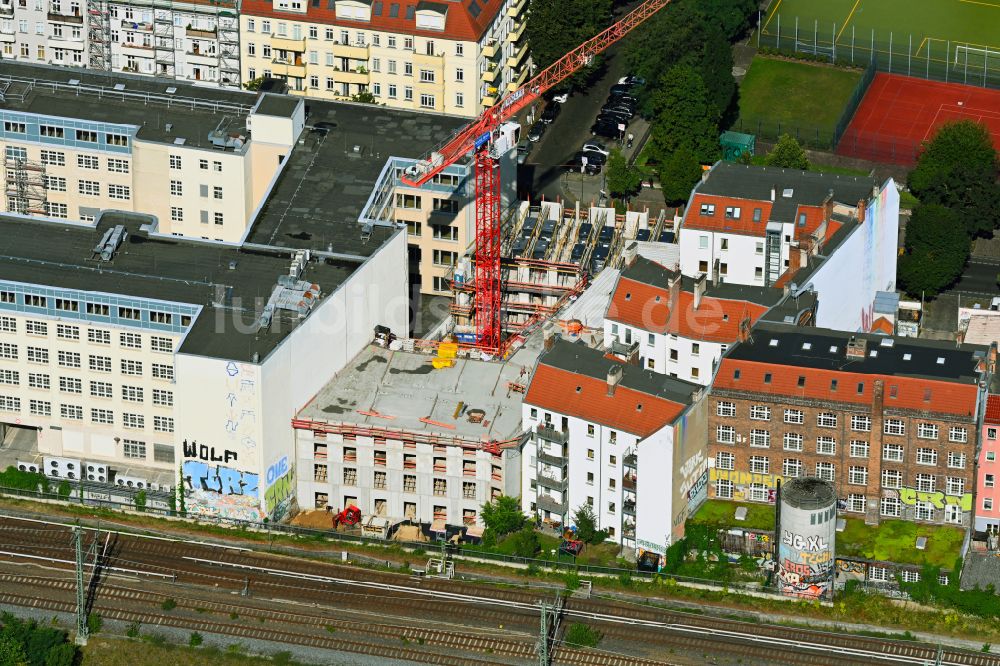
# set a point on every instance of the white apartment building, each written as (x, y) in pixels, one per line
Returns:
(447, 57)
(626, 441)
(198, 162)
(150, 355)
(836, 236)
(681, 326)
(401, 438)
(187, 40)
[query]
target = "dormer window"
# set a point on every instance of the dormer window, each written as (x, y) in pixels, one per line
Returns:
(732, 212)
(708, 209)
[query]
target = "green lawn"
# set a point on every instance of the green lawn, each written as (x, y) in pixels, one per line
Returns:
(894, 541)
(722, 514)
(797, 98)
(931, 23)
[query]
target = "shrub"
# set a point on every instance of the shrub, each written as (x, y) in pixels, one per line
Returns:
(196, 639)
(94, 623)
(168, 604)
(140, 500)
(133, 629)
(64, 489)
(582, 635)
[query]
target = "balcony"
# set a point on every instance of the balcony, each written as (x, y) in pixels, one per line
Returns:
(285, 44)
(360, 76)
(628, 530)
(628, 482)
(491, 74)
(137, 50)
(491, 97)
(198, 33)
(58, 16)
(294, 68)
(517, 8)
(625, 350)
(546, 503)
(517, 32)
(7, 10)
(515, 59)
(628, 507)
(356, 52)
(548, 481)
(200, 56)
(492, 48)
(630, 460)
(136, 26)
(550, 434)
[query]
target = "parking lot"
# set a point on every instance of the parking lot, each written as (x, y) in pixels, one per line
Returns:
(544, 172)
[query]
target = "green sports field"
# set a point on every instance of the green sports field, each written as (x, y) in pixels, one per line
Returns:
(937, 26)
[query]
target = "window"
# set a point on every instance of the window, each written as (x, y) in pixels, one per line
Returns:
(879, 574)
(39, 381)
(861, 423)
(857, 475)
(894, 427)
(927, 431)
(116, 139)
(921, 511)
(163, 398)
(40, 407)
(217, 218)
(53, 158)
(98, 337)
(102, 416)
(67, 305)
(32, 327)
(760, 413)
(954, 485)
(892, 478)
(409, 483)
(130, 367)
(725, 408)
(70, 385)
(957, 460)
(927, 456)
(37, 355)
(133, 449)
(725, 434)
(793, 416)
(163, 424)
(8, 325)
(826, 420)
(119, 191)
(859, 448)
(129, 313)
(892, 452)
(132, 393)
(826, 471)
(826, 446)
(445, 258)
(760, 438)
(960, 435)
(159, 344)
(725, 460)
(988, 481)
(926, 482)
(88, 162)
(707, 209)
(10, 377)
(987, 504)
(90, 188)
(116, 165)
(100, 389)
(8, 350)
(724, 489)
(36, 301)
(133, 421)
(792, 441)
(55, 183)
(67, 332)
(98, 309)
(216, 192)
(71, 412)
(760, 464)
(791, 467)
(9, 404)
(176, 188)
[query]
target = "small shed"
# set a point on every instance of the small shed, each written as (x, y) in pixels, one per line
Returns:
(736, 144)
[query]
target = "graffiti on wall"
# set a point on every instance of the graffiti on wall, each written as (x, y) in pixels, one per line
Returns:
(220, 491)
(280, 493)
(910, 496)
(239, 409)
(742, 481)
(805, 565)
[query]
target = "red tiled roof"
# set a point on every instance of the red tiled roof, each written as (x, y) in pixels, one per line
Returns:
(814, 218)
(693, 219)
(648, 307)
(556, 389)
(945, 397)
(460, 24)
(993, 409)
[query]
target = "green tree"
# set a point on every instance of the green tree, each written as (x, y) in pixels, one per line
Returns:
(623, 178)
(254, 84)
(140, 500)
(787, 153)
(678, 175)
(937, 248)
(556, 27)
(958, 169)
(586, 525)
(12, 651)
(524, 542)
(365, 97)
(733, 16)
(684, 117)
(503, 515)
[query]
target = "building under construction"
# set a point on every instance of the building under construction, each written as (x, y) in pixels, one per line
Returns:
(551, 253)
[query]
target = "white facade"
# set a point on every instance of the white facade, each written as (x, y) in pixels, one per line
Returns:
(668, 354)
(741, 257)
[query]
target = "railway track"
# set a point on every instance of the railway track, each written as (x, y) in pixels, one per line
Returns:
(425, 600)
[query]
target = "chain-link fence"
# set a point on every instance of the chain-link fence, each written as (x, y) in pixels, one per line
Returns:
(894, 52)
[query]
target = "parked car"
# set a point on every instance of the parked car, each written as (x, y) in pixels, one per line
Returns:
(623, 98)
(590, 168)
(560, 98)
(536, 131)
(523, 148)
(618, 108)
(595, 147)
(550, 113)
(620, 89)
(606, 129)
(631, 81)
(611, 116)
(594, 157)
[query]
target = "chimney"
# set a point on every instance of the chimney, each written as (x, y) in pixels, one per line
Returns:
(675, 291)
(861, 211)
(715, 273)
(550, 341)
(631, 252)
(856, 348)
(774, 192)
(699, 290)
(828, 206)
(614, 377)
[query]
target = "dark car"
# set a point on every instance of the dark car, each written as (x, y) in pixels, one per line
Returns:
(599, 159)
(631, 80)
(536, 131)
(606, 129)
(622, 98)
(576, 163)
(623, 109)
(550, 113)
(620, 89)
(612, 117)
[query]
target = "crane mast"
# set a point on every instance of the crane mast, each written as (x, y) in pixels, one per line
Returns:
(479, 137)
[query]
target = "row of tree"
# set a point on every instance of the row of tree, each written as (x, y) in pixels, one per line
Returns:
(956, 182)
(27, 643)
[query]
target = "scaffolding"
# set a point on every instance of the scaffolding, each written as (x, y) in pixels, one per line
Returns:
(25, 186)
(164, 48)
(99, 35)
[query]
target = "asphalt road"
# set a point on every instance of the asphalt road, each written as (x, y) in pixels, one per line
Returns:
(980, 278)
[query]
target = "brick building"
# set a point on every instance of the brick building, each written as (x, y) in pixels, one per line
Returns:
(892, 422)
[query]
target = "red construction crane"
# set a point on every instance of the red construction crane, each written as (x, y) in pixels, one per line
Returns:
(481, 137)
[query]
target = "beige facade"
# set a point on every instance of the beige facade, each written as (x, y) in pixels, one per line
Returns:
(419, 66)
